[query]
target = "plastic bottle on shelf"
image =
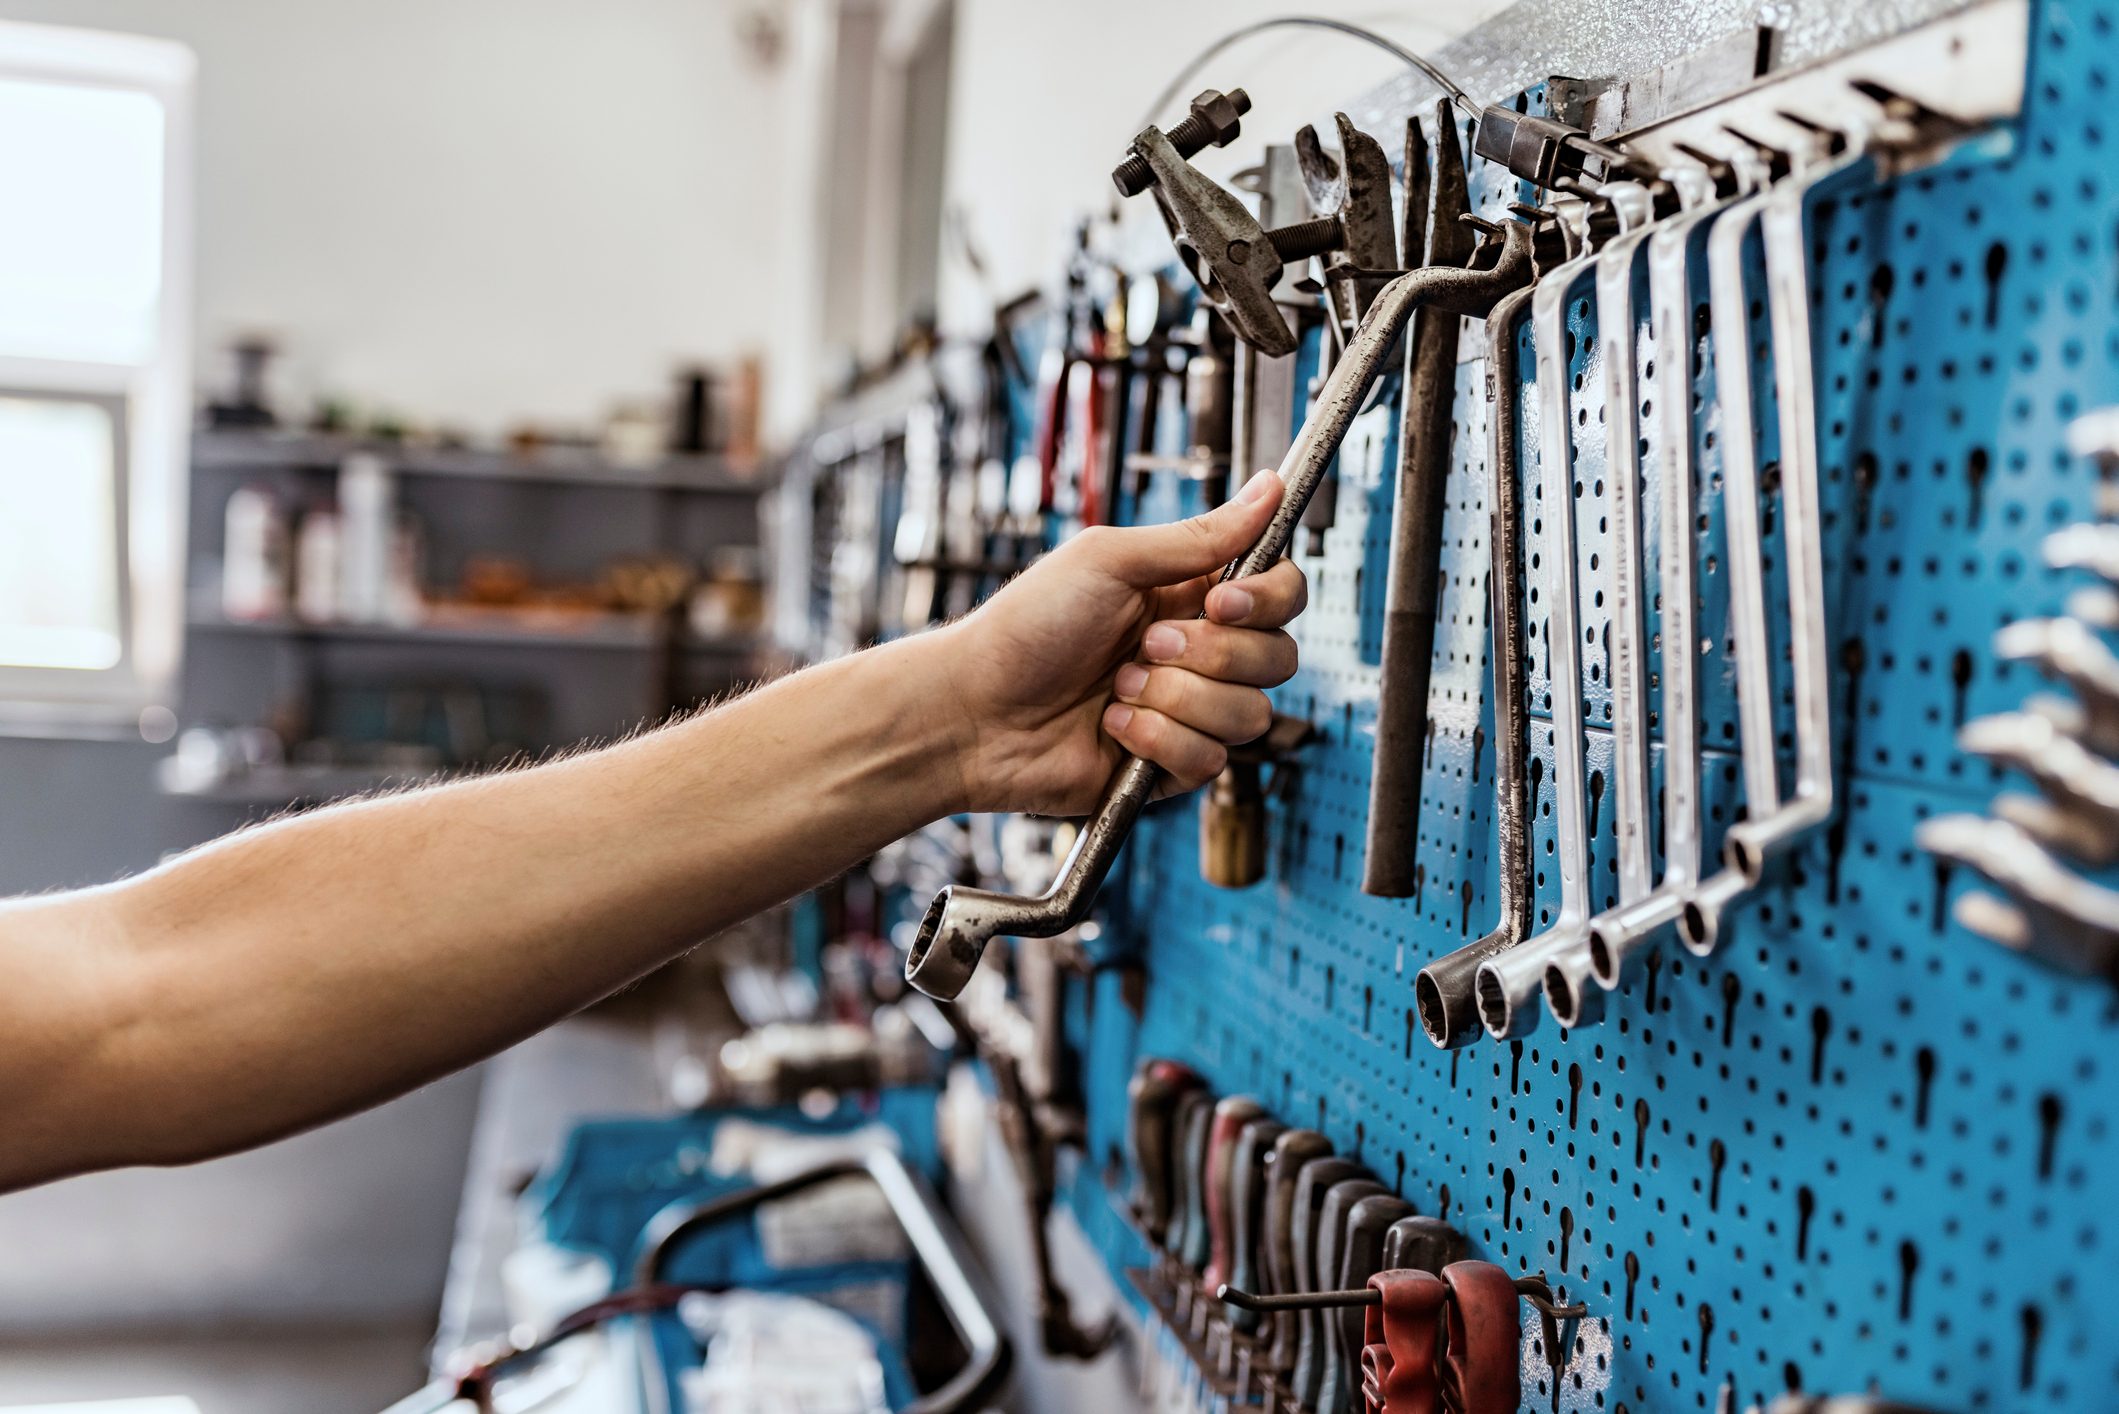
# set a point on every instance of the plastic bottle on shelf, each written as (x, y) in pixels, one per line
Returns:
(367, 535)
(254, 555)
(317, 568)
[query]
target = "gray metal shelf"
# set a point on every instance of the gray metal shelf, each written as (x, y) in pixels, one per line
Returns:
(562, 466)
(634, 632)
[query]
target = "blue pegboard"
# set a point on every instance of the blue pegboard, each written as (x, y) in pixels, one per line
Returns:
(1858, 1147)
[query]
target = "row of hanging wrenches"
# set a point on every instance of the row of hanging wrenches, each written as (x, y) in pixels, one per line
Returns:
(1749, 193)
(1285, 1277)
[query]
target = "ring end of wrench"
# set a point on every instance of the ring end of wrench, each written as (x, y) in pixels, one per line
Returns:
(952, 938)
(1445, 995)
(1619, 941)
(1569, 995)
(1507, 987)
(1700, 924)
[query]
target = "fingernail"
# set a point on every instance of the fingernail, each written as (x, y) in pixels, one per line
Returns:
(1116, 716)
(1255, 488)
(1162, 643)
(1130, 680)
(1234, 604)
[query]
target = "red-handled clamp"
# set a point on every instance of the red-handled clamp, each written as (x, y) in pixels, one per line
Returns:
(1398, 1343)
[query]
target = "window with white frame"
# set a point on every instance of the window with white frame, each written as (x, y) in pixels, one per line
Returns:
(95, 133)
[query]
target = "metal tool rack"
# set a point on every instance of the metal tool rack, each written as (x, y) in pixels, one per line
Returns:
(1857, 1148)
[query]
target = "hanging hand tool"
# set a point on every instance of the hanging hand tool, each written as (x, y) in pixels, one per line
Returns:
(1445, 989)
(1760, 836)
(1248, 1175)
(2077, 810)
(1189, 1243)
(959, 923)
(2053, 913)
(1427, 1244)
(1507, 981)
(2065, 649)
(1568, 995)
(1399, 1338)
(1352, 190)
(1232, 809)
(1624, 934)
(1320, 1333)
(1312, 1186)
(1231, 1115)
(1482, 1338)
(1368, 1224)
(1292, 1152)
(1234, 259)
(1832, 162)
(1215, 120)
(1436, 235)
(1734, 375)
(1151, 1112)
(1479, 1368)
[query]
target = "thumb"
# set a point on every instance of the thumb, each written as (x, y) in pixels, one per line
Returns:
(1146, 556)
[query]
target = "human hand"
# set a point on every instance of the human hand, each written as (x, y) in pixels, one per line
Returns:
(1033, 674)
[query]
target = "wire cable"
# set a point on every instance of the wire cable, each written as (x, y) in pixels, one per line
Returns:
(1345, 27)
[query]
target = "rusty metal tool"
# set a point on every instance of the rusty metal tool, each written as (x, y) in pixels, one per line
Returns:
(961, 921)
(1414, 587)
(1235, 260)
(1445, 989)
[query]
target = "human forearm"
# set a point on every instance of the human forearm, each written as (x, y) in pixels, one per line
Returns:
(302, 970)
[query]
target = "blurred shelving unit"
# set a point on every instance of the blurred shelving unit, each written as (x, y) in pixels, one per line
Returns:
(525, 677)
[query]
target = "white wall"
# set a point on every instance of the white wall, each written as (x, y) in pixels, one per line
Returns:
(1045, 99)
(478, 210)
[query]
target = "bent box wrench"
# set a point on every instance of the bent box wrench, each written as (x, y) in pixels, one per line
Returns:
(1449, 1013)
(1567, 993)
(1624, 932)
(1508, 981)
(1771, 825)
(961, 921)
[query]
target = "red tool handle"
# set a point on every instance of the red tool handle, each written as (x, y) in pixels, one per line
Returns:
(1398, 1344)
(1482, 1370)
